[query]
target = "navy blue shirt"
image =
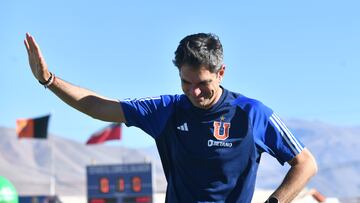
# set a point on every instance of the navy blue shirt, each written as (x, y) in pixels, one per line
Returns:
(211, 155)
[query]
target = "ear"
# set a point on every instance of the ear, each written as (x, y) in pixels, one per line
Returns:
(221, 72)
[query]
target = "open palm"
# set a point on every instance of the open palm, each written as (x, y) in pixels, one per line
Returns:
(36, 60)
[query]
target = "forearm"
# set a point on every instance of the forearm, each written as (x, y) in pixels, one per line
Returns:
(291, 186)
(296, 179)
(73, 95)
(86, 101)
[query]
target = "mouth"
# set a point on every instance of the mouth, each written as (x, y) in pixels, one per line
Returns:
(202, 98)
(198, 99)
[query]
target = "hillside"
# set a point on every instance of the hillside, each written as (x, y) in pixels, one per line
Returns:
(337, 151)
(27, 162)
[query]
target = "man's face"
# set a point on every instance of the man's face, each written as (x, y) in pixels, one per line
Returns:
(201, 86)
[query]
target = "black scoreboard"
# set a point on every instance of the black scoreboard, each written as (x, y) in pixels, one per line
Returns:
(123, 183)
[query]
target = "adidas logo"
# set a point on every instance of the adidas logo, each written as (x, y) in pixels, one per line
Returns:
(183, 127)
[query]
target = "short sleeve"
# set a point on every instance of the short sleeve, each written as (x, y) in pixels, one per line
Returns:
(149, 114)
(272, 136)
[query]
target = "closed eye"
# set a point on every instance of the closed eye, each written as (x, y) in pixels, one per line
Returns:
(205, 83)
(185, 82)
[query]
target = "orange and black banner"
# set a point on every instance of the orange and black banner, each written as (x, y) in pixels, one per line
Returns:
(32, 127)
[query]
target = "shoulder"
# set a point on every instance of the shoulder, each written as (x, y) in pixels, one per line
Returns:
(249, 104)
(164, 100)
(176, 101)
(255, 109)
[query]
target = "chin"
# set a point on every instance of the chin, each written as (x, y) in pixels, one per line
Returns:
(201, 105)
(197, 104)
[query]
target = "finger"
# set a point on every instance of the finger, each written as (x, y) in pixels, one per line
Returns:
(35, 52)
(31, 42)
(28, 39)
(36, 48)
(30, 47)
(27, 46)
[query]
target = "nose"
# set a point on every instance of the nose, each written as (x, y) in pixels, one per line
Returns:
(195, 91)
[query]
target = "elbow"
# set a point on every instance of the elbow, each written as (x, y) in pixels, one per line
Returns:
(95, 113)
(90, 110)
(306, 163)
(310, 164)
(314, 166)
(90, 106)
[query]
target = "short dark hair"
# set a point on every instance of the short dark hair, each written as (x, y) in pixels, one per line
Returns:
(200, 49)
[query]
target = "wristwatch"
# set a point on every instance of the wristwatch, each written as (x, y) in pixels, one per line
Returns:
(272, 200)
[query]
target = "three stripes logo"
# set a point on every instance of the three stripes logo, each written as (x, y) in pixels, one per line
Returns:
(289, 138)
(183, 127)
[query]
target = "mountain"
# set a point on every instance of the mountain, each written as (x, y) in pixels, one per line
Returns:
(337, 151)
(27, 162)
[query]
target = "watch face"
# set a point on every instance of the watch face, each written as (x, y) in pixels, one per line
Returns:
(273, 200)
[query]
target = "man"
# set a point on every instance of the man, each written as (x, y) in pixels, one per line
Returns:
(209, 139)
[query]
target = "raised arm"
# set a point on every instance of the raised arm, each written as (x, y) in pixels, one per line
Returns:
(303, 167)
(84, 100)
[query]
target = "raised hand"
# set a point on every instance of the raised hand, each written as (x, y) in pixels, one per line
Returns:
(36, 60)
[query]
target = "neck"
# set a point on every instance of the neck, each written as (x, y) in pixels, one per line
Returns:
(217, 96)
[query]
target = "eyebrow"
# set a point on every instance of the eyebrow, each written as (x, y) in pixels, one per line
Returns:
(201, 82)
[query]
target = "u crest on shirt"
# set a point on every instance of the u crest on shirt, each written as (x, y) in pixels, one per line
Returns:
(224, 127)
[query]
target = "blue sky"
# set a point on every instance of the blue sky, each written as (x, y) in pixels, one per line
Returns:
(301, 58)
